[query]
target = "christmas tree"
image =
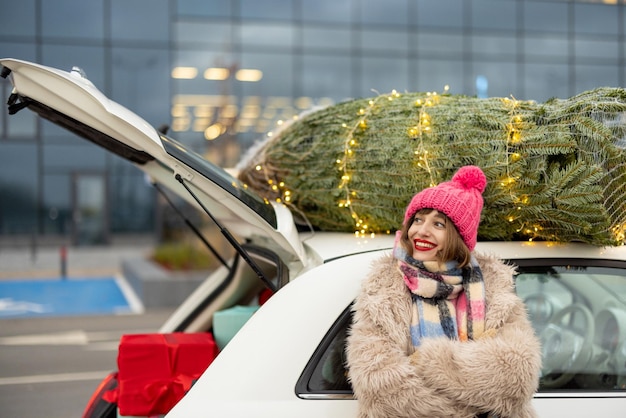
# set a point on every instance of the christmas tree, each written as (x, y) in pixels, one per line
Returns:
(556, 170)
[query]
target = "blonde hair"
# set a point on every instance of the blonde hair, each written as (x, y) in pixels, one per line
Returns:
(453, 249)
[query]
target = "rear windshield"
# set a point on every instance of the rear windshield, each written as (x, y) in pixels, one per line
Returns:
(220, 177)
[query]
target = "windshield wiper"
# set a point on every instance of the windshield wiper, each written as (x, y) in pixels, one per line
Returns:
(240, 250)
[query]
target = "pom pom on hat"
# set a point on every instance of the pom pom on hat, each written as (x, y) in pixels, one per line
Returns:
(460, 199)
(470, 177)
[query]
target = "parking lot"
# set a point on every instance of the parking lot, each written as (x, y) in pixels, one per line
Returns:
(54, 281)
(50, 366)
(59, 333)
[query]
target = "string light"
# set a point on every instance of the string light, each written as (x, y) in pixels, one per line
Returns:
(424, 127)
(619, 232)
(514, 132)
(278, 187)
(361, 226)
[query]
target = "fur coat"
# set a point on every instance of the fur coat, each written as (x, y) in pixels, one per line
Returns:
(497, 373)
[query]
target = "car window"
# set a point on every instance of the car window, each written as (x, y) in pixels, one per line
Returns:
(579, 314)
(577, 310)
(326, 374)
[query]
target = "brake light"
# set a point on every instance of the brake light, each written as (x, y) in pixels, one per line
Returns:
(102, 404)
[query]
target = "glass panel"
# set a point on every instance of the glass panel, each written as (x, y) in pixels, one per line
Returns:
(545, 17)
(327, 11)
(201, 60)
(18, 188)
(18, 18)
(146, 20)
(544, 81)
(494, 14)
(579, 314)
(267, 9)
(501, 77)
(194, 8)
(55, 22)
(440, 43)
(389, 12)
(440, 13)
(434, 75)
(589, 77)
(382, 75)
(80, 155)
(203, 33)
(18, 50)
(596, 19)
(326, 76)
(277, 75)
(327, 38)
(23, 124)
(90, 209)
(275, 35)
(504, 47)
(330, 372)
(141, 84)
(5, 89)
(132, 199)
(552, 48)
(385, 41)
(593, 49)
(57, 202)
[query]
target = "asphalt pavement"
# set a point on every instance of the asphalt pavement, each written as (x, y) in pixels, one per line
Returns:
(51, 363)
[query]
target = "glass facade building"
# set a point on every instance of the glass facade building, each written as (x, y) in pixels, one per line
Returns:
(223, 73)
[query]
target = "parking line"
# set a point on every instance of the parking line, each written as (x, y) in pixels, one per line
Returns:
(53, 378)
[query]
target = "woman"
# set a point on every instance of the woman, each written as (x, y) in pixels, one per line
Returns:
(438, 330)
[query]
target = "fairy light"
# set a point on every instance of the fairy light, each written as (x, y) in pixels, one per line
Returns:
(277, 187)
(424, 127)
(515, 137)
(343, 164)
(619, 232)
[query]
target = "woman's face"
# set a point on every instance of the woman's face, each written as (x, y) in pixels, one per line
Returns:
(427, 234)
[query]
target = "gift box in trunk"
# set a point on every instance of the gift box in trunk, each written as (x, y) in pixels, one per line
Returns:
(156, 370)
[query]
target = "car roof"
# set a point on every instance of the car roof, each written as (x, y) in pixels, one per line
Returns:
(514, 250)
(332, 245)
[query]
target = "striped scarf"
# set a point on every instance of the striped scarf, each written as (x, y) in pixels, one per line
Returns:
(447, 300)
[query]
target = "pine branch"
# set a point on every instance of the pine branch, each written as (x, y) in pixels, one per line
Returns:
(556, 170)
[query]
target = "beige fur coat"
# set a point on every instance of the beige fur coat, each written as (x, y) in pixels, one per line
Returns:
(499, 372)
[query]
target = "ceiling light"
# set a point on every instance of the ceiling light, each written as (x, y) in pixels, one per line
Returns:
(216, 73)
(249, 75)
(184, 72)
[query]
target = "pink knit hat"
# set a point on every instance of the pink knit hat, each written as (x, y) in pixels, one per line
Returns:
(460, 199)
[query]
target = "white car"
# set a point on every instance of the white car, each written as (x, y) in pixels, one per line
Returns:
(287, 359)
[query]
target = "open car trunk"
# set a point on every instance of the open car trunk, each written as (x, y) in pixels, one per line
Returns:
(233, 291)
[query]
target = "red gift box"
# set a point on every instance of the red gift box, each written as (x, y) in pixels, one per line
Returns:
(156, 370)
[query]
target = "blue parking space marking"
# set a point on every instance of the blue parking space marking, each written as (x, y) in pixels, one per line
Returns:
(58, 297)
